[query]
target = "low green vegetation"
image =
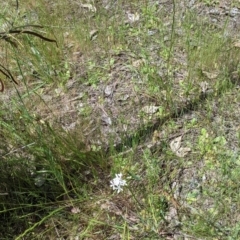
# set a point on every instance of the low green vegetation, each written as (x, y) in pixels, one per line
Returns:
(118, 120)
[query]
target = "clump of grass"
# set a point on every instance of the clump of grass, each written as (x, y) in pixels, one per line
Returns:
(41, 165)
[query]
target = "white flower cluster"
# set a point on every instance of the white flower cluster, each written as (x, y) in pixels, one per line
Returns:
(117, 183)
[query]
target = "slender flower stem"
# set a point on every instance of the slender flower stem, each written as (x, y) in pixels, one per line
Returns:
(139, 204)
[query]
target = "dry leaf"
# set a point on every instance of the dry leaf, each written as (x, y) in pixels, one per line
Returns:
(89, 7)
(175, 144)
(204, 86)
(133, 17)
(210, 75)
(150, 109)
(182, 152)
(237, 44)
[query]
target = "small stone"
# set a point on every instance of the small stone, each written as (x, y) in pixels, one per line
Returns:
(214, 11)
(233, 12)
(108, 91)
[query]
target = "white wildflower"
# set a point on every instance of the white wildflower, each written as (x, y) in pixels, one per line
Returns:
(117, 183)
